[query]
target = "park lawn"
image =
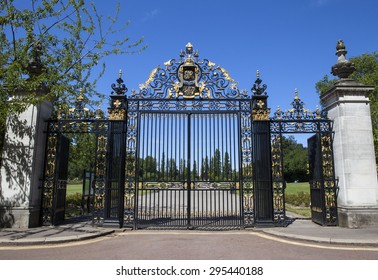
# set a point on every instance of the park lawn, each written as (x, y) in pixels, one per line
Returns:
(74, 188)
(304, 211)
(294, 188)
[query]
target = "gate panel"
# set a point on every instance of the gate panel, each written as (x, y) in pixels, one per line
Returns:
(215, 170)
(316, 180)
(60, 187)
(322, 180)
(188, 170)
(162, 170)
(116, 175)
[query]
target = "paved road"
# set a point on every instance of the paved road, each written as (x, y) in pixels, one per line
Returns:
(181, 245)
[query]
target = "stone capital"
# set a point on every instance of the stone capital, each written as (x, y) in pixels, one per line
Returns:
(346, 91)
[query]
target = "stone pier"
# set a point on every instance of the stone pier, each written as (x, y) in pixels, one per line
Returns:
(22, 167)
(347, 103)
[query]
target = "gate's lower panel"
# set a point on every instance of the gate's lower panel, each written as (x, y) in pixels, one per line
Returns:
(209, 208)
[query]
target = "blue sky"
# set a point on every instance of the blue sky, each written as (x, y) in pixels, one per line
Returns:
(291, 42)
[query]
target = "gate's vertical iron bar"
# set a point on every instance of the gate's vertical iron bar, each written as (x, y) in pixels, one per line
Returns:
(232, 152)
(155, 139)
(189, 172)
(230, 144)
(136, 171)
(240, 179)
(148, 164)
(151, 140)
(145, 155)
(158, 161)
(220, 148)
(199, 147)
(182, 152)
(170, 161)
(175, 136)
(141, 155)
(206, 152)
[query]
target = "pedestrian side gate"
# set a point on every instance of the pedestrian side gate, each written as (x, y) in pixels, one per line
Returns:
(190, 150)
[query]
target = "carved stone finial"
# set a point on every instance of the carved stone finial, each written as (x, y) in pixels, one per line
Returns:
(35, 65)
(343, 67)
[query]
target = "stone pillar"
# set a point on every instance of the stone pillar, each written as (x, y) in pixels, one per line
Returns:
(22, 167)
(348, 106)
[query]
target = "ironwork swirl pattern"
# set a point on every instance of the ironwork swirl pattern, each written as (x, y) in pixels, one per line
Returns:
(214, 82)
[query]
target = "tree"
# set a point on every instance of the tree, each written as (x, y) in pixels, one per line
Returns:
(217, 164)
(162, 166)
(227, 167)
(205, 169)
(81, 155)
(295, 160)
(150, 168)
(194, 171)
(53, 47)
(172, 169)
(366, 73)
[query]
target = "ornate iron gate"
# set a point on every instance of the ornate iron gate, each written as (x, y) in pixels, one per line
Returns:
(191, 144)
(323, 188)
(190, 150)
(77, 120)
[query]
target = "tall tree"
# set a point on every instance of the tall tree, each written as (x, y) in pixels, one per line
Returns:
(162, 166)
(366, 73)
(295, 160)
(172, 169)
(194, 171)
(205, 169)
(81, 156)
(226, 167)
(53, 47)
(217, 164)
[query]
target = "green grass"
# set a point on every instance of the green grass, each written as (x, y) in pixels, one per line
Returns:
(294, 188)
(304, 211)
(74, 188)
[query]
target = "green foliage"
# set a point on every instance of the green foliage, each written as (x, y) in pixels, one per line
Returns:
(81, 155)
(367, 74)
(73, 205)
(295, 160)
(74, 199)
(293, 188)
(52, 47)
(298, 199)
(214, 169)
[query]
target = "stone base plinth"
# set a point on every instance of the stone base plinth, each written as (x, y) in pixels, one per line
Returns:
(358, 217)
(19, 217)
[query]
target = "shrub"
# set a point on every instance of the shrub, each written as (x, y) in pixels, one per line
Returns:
(298, 199)
(73, 199)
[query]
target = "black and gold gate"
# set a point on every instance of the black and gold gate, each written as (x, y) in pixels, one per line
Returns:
(190, 150)
(189, 139)
(323, 184)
